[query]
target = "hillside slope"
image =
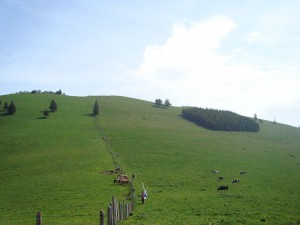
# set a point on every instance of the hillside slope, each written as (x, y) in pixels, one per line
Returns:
(53, 165)
(174, 158)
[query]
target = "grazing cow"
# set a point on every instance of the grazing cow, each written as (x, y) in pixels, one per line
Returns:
(223, 188)
(221, 178)
(242, 172)
(122, 179)
(215, 171)
(236, 181)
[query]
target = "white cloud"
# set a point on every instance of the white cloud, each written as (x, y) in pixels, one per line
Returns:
(253, 37)
(189, 47)
(189, 69)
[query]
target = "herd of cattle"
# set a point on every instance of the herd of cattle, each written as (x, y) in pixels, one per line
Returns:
(223, 187)
(123, 179)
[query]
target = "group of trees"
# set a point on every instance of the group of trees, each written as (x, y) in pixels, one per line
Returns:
(52, 108)
(220, 120)
(159, 103)
(59, 92)
(10, 108)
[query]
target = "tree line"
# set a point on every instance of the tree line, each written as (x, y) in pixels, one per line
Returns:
(59, 92)
(220, 119)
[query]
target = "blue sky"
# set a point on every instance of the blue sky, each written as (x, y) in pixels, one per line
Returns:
(241, 56)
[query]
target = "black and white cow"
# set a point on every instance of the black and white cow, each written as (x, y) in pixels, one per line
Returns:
(223, 188)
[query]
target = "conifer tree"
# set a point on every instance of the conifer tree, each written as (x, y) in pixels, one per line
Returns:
(5, 106)
(255, 116)
(96, 108)
(11, 109)
(53, 106)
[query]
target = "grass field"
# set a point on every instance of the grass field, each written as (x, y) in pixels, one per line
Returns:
(54, 165)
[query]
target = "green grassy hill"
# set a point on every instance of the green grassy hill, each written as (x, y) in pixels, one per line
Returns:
(54, 165)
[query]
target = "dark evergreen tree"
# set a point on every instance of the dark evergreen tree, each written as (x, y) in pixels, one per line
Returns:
(96, 108)
(255, 116)
(53, 106)
(11, 109)
(5, 106)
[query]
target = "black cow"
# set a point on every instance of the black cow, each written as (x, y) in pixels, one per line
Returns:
(223, 188)
(243, 172)
(221, 178)
(236, 181)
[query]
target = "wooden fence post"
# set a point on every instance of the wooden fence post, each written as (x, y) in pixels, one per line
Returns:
(39, 218)
(113, 202)
(109, 216)
(102, 217)
(126, 211)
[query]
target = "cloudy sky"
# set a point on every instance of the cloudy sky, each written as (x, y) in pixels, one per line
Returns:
(242, 56)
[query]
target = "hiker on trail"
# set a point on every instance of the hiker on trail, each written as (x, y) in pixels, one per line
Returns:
(143, 197)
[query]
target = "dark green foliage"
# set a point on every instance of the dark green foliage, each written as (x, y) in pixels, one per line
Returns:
(5, 105)
(96, 108)
(45, 113)
(11, 109)
(59, 92)
(255, 117)
(0, 102)
(220, 120)
(35, 91)
(53, 106)
(167, 103)
(158, 102)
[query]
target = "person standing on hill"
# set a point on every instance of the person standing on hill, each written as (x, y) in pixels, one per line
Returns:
(143, 197)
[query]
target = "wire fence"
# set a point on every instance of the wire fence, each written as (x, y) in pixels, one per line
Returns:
(116, 211)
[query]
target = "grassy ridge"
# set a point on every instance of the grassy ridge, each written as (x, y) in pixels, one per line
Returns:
(53, 165)
(174, 159)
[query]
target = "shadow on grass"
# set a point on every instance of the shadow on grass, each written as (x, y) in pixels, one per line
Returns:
(89, 114)
(41, 118)
(160, 107)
